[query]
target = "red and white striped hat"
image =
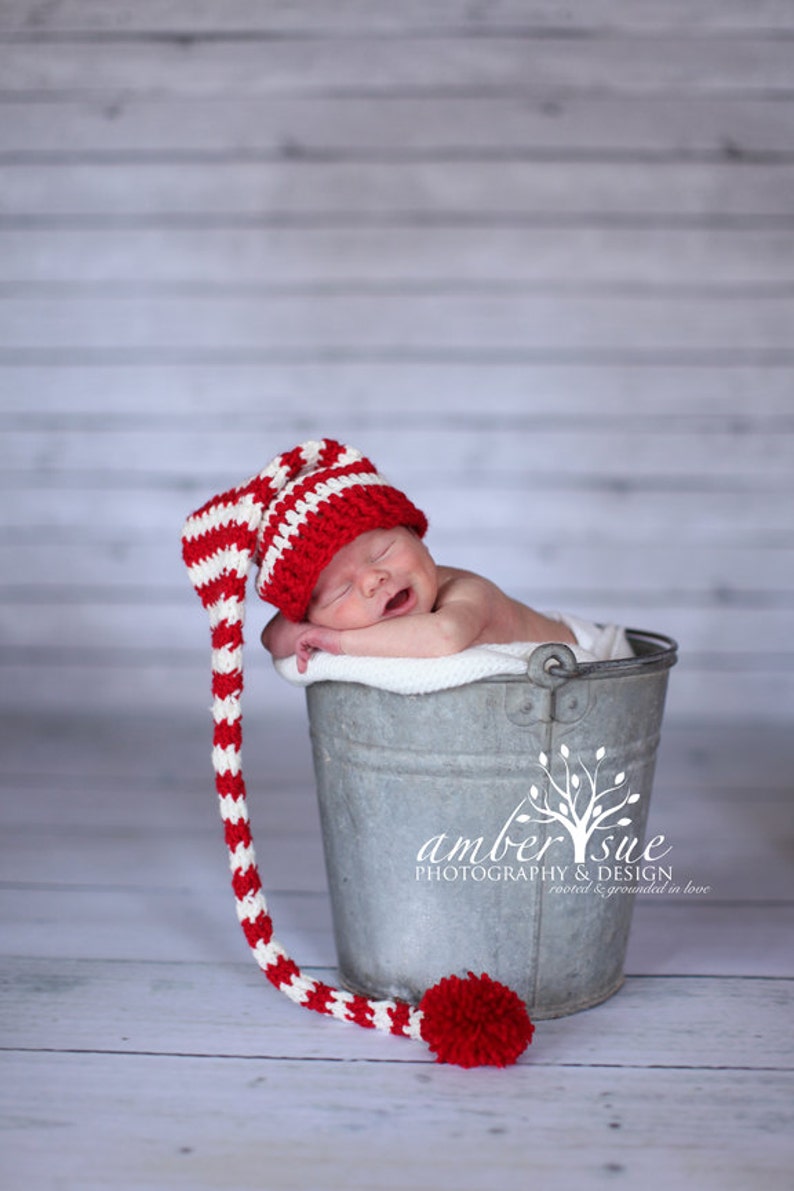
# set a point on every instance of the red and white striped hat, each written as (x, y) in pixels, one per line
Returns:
(289, 521)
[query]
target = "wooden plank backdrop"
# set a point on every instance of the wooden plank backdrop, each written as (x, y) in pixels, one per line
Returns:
(536, 259)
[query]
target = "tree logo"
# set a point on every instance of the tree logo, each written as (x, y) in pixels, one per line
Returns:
(577, 803)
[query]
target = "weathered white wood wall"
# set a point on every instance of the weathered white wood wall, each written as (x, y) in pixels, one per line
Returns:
(537, 259)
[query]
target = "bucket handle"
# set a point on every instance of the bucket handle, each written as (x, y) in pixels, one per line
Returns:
(652, 651)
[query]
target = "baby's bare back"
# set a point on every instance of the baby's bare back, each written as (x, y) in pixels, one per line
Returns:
(504, 619)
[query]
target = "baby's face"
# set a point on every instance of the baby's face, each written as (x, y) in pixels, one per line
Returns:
(380, 574)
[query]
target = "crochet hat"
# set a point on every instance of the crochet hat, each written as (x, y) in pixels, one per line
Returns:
(289, 521)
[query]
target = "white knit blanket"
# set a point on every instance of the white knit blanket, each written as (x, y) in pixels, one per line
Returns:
(418, 676)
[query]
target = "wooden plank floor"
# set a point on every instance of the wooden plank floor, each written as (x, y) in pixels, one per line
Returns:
(141, 1047)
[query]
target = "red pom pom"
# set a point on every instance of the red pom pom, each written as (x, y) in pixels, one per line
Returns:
(475, 1022)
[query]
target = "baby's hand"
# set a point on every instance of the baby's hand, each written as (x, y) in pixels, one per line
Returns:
(316, 637)
(280, 635)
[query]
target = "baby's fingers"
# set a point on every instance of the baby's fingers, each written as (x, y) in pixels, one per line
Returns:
(303, 652)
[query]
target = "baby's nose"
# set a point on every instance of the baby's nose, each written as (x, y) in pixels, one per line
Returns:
(372, 580)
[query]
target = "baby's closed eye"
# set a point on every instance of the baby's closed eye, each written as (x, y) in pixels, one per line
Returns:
(327, 598)
(377, 555)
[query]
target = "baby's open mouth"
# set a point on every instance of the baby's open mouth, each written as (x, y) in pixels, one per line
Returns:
(397, 601)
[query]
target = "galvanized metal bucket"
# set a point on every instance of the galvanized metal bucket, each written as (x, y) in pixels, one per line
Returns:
(497, 827)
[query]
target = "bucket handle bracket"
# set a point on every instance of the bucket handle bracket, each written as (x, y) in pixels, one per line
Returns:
(551, 665)
(546, 696)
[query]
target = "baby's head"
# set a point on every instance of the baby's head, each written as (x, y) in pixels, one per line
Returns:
(337, 543)
(381, 574)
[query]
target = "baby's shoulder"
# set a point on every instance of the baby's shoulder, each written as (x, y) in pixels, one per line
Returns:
(457, 584)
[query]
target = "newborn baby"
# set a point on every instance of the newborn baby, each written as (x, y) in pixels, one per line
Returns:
(382, 595)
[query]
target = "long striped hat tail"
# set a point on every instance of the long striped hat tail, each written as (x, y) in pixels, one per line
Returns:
(316, 491)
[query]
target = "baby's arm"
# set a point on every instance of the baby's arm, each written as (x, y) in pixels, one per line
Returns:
(420, 635)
